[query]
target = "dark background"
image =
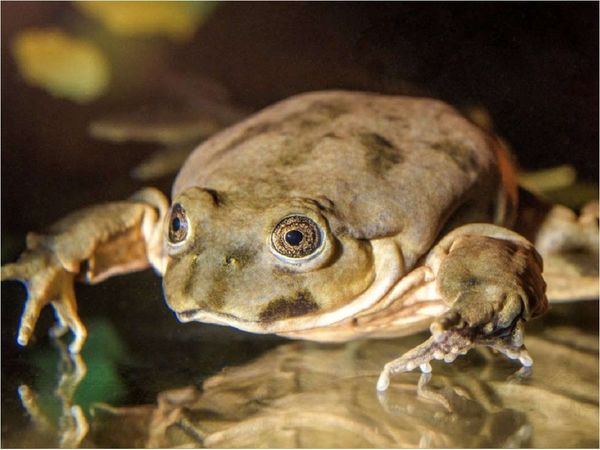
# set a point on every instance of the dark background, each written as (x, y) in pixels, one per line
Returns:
(533, 66)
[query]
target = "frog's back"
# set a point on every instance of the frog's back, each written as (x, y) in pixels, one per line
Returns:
(383, 165)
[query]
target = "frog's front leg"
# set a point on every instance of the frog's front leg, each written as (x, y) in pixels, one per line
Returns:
(491, 279)
(91, 244)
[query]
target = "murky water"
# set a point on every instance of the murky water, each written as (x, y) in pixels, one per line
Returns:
(146, 381)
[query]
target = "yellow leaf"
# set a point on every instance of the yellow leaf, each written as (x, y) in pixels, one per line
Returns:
(61, 64)
(175, 20)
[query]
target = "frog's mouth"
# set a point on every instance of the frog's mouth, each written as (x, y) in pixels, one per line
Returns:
(389, 268)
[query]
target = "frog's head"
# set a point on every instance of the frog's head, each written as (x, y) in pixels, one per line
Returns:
(262, 266)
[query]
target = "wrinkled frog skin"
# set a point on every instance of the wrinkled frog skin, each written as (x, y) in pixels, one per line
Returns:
(329, 216)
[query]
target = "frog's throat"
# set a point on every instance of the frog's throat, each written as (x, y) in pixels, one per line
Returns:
(389, 268)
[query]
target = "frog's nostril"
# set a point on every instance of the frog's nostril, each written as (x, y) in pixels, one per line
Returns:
(231, 261)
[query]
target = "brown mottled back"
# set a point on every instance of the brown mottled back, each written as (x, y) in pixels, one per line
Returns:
(383, 166)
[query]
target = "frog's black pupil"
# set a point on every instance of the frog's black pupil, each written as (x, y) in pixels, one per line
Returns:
(176, 224)
(294, 237)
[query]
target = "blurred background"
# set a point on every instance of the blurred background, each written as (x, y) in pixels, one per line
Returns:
(91, 90)
(532, 67)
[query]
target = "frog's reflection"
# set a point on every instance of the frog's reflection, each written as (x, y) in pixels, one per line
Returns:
(297, 395)
(72, 425)
(306, 395)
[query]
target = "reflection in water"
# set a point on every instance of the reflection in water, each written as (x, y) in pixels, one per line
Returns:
(72, 424)
(308, 395)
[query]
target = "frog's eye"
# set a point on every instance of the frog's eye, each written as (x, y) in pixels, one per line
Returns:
(178, 224)
(296, 237)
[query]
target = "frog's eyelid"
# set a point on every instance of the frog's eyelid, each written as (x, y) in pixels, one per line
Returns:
(297, 261)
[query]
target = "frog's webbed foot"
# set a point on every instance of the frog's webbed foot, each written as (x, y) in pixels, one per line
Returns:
(445, 346)
(448, 344)
(477, 320)
(91, 244)
(492, 286)
(46, 282)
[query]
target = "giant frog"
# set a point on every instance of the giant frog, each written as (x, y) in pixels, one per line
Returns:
(332, 216)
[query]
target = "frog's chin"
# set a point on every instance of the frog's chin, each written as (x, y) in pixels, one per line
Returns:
(389, 268)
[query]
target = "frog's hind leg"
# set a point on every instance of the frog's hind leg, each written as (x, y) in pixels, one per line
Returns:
(490, 277)
(568, 243)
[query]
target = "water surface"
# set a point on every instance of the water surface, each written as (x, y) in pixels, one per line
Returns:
(152, 382)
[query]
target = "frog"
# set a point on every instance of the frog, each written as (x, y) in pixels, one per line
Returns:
(332, 216)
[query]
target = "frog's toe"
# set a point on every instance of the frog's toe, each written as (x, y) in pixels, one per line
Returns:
(520, 353)
(511, 345)
(23, 270)
(30, 315)
(447, 345)
(448, 320)
(417, 357)
(383, 382)
(66, 312)
(425, 368)
(397, 366)
(11, 272)
(80, 333)
(523, 373)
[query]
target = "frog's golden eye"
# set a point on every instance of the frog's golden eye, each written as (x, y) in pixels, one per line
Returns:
(178, 224)
(296, 237)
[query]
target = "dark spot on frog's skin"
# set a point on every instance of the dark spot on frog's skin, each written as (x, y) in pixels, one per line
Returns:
(331, 135)
(331, 110)
(266, 184)
(294, 155)
(315, 114)
(284, 307)
(382, 154)
(471, 282)
(217, 198)
(395, 118)
(308, 123)
(460, 154)
(298, 151)
(250, 133)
